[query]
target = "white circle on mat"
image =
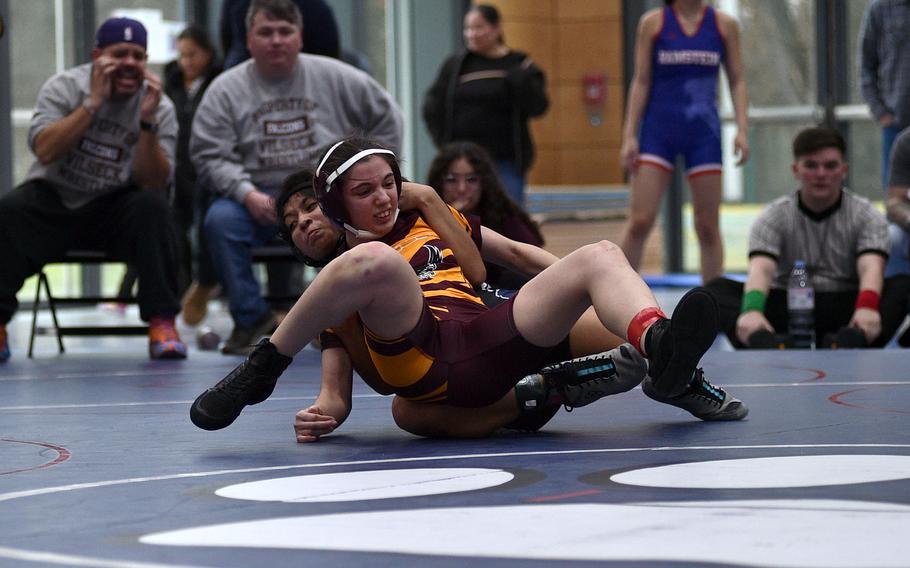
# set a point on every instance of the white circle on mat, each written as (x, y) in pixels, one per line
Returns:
(786, 533)
(770, 472)
(362, 485)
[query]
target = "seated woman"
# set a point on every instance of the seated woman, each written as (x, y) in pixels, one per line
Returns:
(429, 335)
(465, 176)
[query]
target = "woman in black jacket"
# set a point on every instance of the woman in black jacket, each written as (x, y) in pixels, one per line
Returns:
(486, 95)
(185, 80)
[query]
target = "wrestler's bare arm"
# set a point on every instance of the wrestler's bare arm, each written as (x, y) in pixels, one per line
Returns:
(333, 405)
(438, 216)
(521, 257)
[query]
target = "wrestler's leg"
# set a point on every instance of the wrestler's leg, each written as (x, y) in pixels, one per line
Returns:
(706, 197)
(649, 183)
(598, 275)
(546, 308)
(533, 401)
(446, 421)
(589, 336)
(371, 279)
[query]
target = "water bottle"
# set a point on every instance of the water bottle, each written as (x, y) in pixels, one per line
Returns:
(801, 307)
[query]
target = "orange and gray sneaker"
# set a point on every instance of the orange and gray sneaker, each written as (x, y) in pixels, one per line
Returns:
(4, 345)
(164, 342)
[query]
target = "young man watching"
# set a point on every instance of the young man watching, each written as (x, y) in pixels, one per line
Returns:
(842, 238)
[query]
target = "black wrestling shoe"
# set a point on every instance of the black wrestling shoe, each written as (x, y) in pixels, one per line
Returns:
(250, 383)
(680, 342)
(534, 407)
(702, 399)
(581, 381)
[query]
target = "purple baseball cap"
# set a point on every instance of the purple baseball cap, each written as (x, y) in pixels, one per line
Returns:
(119, 30)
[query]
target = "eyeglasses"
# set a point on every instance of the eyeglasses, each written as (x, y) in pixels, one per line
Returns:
(468, 179)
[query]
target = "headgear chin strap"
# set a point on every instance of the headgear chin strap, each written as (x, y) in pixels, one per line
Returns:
(366, 234)
(329, 197)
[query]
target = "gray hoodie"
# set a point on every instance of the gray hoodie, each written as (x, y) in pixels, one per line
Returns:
(101, 162)
(250, 133)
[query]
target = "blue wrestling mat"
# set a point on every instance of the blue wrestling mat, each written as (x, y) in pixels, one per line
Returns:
(100, 466)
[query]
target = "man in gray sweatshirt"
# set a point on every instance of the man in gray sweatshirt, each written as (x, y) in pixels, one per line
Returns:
(261, 121)
(104, 136)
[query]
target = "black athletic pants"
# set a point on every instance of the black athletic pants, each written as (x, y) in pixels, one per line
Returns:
(833, 310)
(35, 227)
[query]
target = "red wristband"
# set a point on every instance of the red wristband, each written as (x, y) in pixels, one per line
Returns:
(868, 299)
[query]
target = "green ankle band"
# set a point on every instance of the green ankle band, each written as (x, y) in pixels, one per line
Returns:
(753, 300)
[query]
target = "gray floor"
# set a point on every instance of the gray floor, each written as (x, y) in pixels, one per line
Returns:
(100, 466)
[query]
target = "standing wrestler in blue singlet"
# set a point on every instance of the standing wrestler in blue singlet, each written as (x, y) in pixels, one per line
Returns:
(672, 110)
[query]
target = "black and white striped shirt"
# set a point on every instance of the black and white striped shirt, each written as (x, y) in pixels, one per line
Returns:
(829, 242)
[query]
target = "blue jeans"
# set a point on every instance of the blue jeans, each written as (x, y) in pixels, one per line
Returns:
(232, 233)
(513, 180)
(898, 261)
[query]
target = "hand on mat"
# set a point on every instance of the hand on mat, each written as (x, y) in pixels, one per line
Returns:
(310, 424)
(870, 321)
(750, 322)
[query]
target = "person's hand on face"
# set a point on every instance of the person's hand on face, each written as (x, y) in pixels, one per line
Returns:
(123, 64)
(103, 68)
(152, 97)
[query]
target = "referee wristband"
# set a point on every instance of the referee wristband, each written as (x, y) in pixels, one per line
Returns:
(753, 300)
(869, 299)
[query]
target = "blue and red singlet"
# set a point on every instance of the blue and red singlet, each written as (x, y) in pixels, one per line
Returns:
(681, 115)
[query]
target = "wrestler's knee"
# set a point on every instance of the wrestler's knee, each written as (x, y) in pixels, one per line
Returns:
(707, 230)
(370, 264)
(602, 252)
